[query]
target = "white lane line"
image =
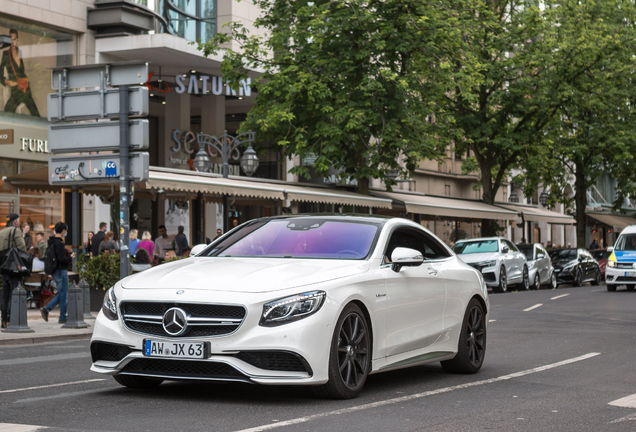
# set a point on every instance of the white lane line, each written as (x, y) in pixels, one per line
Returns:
(63, 395)
(630, 417)
(558, 297)
(533, 307)
(417, 395)
(12, 427)
(625, 402)
(21, 361)
(51, 385)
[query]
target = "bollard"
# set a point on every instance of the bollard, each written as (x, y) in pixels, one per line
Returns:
(75, 308)
(86, 292)
(18, 320)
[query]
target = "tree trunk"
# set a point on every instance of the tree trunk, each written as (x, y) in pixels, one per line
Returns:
(580, 198)
(488, 227)
(363, 186)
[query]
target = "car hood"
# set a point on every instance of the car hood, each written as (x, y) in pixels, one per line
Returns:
(473, 258)
(243, 274)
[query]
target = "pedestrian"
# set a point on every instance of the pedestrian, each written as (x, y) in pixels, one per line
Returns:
(593, 245)
(219, 233)
(60, 276)
(185, 253)
(11, 235)
(133, 241)
(163, 243)
(26, 233)
(99, 237)
(88, 244)
(146, 243)
(169, 255)
(40, 246)
(109, 244)
(142, 260)
(569, 245)
(181, 241)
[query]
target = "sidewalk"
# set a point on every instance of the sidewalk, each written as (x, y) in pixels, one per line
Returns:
(46, 331)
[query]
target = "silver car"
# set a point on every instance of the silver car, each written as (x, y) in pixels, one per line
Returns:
(498, 260)
(540, 270)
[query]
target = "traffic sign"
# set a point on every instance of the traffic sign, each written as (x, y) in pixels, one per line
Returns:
(114, 74)
(96, 136)
(81, 170)
(92, 104)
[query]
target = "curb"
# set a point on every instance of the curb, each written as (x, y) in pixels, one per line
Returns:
(47, 338)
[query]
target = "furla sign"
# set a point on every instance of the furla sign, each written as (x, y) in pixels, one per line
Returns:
(210, 84)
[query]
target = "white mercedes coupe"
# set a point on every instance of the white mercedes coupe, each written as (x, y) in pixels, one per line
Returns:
(318, 300)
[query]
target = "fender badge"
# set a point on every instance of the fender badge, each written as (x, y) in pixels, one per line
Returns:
(180, 292)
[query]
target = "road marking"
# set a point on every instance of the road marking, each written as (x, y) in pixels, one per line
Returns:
(51, 385)
(533, 307)
(626, 402)
(10, 427)
(558, 297)
(21, 361)
(417, 395)
(63, 395)
(626, 418)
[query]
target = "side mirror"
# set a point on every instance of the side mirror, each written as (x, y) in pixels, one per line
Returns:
(197, 249)
(405, 257)
(505, 249)
(610, 248)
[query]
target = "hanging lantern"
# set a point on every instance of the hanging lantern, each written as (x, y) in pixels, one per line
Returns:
(249, 161)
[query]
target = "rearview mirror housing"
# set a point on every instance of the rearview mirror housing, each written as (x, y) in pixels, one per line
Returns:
(610, 248)
(505, 249)
(197, 249)
(401, 257)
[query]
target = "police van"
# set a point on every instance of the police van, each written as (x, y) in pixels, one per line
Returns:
(621, 264)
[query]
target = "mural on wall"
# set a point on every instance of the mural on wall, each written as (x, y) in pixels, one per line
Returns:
(177, 213)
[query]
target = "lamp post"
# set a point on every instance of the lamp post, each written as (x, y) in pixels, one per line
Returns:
(543, 198)
(513, 198)
(227, 146)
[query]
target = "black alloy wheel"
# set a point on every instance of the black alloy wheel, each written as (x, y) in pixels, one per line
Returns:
(597, 278)
(537, 281)
(503, 281)
(472, 342)
(350, 356)
(578, 278)
(525, 280)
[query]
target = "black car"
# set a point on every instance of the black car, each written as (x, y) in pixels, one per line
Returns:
(575, 266)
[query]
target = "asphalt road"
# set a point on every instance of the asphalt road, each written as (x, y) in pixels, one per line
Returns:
(556, 366)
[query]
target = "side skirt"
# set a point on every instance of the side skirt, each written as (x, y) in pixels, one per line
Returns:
(418, 360)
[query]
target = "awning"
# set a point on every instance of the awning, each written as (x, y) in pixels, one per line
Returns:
(448, 207)
(332, 196)
(535, 214)
(612, 220)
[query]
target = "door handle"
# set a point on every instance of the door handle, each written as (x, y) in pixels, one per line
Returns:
(432, 272)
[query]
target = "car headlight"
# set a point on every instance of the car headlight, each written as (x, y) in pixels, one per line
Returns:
(568, 268)
(611, 263)
(484, 264)
(288, 309)
(110, 305)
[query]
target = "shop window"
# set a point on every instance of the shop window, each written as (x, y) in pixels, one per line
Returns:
(25, 66)
(41, 213)
(8, 168)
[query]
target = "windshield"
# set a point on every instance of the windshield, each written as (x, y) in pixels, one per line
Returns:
(626, 242)
(563, 254)
(528, 251)
(299, 238)
(476, 247)
(601, 255)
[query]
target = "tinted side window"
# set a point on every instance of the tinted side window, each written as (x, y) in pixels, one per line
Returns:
(418, 240)
(511, 246)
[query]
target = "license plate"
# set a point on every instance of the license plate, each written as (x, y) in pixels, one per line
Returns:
(162, 348)
(630, 274)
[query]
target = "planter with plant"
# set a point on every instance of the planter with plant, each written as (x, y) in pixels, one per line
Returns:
(100, 273)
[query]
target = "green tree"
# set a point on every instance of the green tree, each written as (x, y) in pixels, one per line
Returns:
(350, 82)
(529, 58)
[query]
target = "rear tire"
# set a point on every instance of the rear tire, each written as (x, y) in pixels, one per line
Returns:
(525, 280)
(137, 382)
(350, 356)
(611, 287)
(472, 342)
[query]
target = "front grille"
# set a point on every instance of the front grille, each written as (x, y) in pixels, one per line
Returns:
(203, 319)
(108, 351)
(182, 369)
(625, 279)
(489, 277)
(275, 360)
(625, 265)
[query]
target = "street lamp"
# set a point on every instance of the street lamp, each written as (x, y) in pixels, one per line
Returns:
(513, 196)
(202, 161)
(543, 198)
(249, 161)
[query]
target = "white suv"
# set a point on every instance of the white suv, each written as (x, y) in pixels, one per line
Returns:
(621, 264)
(498, 260)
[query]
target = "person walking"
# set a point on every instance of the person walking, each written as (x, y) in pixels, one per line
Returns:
(88, 244)
(26, 233)
(40, 246)
(10, 236)
(99, 237)
(594, 245)
(146, 243)
(163, 243)
(60, 276)
(181, 240)
(108, 244)
(133, 242)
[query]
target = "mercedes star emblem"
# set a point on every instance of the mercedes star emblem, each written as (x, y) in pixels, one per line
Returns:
(180, 292)
(174, 321)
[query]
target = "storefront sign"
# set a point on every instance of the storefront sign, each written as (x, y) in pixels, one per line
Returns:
(34, 145)
(6, 136)
(211, 84)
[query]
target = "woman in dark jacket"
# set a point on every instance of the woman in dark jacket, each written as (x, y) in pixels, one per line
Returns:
(26, 232)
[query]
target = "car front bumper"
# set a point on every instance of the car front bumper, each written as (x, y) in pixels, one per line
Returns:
(618, 276)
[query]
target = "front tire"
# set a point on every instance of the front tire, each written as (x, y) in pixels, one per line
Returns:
(611, 287)
(350, 356)
(578, 278)
(553, 281)
(503, 281)
(137, 382)
(597, 279)
(472, 342)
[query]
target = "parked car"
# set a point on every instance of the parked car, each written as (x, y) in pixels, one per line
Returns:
(621, 264)
(601, 256)
(297, 300)
(575, 266)
(540, 270)
(499, 261)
